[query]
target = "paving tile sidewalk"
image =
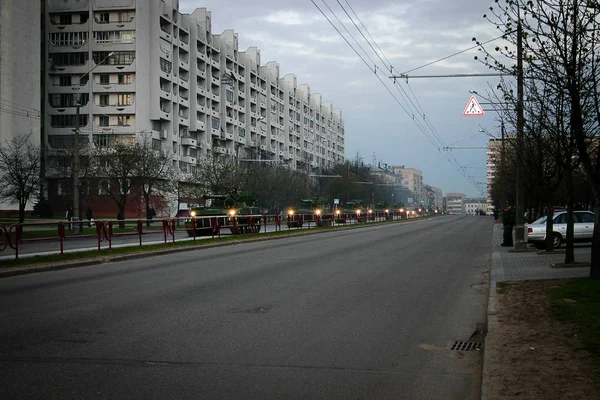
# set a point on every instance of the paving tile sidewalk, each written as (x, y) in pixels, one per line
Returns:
(520, 266)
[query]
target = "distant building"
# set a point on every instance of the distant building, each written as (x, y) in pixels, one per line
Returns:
(412, 179)
(493, 157)
(20, 78)
(455, 203)
(473, 206)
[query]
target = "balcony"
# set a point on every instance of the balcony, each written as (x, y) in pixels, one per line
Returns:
(215, 81)
(220, 150)
(201, 91)
(201, 73)
(215, 63)
(184, 102)
(188, 159)
(215, 97)
(241, 95)
(188, 141)
(201, 109)
(114, 109)
(113, 87)
(115, 24)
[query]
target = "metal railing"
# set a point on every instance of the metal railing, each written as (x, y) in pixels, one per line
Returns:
(35, 238)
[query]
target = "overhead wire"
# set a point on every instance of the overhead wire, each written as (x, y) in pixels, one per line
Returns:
(432, 136)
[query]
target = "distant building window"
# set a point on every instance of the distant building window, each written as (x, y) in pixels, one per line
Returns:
(101, 140)
(103, 120)
(124, 120)
(103, 100)
(242, 132)
(104, 79)
(124, 79)
(229, 95)
(165, 66)
(65, 19)
(216, 123)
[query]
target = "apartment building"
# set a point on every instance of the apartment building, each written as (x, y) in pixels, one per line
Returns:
(455, 203)
(493, 157)
(412, 179)
(20, 85)
(157, 72)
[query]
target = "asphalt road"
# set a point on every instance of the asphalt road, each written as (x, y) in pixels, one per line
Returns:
(358, 314)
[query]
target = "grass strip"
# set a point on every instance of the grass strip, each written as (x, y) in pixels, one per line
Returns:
(577, 301)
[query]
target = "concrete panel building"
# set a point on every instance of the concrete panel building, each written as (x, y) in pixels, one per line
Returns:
(455, 203)
(20, 65)
(157, 72)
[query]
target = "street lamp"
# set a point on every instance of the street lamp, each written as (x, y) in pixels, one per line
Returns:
(76, 226)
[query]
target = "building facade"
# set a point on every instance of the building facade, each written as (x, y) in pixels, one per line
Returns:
(455, 203)
(475, 206)
(20, 63)
(140, 67)
(493, 157)
(412, 179)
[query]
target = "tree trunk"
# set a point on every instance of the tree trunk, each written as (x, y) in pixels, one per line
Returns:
(147, 197)
(549, 225)
(570, 251)
(22, 211)
(121, 216)
(595, 259)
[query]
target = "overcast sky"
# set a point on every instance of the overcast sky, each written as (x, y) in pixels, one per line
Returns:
(410, 33)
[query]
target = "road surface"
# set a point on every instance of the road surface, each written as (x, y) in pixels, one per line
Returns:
(357, 314)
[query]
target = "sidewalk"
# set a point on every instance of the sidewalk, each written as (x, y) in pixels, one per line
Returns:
(513, 266)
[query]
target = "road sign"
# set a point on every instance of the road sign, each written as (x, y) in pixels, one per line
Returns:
(336, 201)
(473, 108)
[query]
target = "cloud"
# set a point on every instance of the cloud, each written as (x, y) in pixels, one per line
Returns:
(291, 18)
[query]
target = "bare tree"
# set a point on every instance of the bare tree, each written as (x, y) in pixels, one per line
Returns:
(117, 171)
(19, 171)
(560, 47)
(154, 171)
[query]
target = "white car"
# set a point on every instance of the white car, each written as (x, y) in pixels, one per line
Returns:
(583, 228)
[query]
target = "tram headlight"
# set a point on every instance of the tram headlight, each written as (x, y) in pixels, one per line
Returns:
(290, 212)
(193, 213)
(387, 211)
(337, 212)
(357, 212)
(317, 212)
(232, 213)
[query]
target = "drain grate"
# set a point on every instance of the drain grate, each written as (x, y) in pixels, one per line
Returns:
(458, 345)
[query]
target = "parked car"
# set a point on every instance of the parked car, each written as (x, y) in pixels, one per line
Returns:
(583, 228)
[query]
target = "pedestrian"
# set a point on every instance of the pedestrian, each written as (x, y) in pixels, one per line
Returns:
(89, 215)
(149, 215)
(508, 221)
(70, 217)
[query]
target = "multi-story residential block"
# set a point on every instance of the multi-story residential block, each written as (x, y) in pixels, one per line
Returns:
(20, 63)
(141, 67)
(412, 179)
(455, 203)
(493, 157)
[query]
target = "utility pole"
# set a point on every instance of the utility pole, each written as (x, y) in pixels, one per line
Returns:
(76, 167)
(519, 243)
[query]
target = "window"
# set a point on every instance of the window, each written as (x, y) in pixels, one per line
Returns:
(103, 37)
(561, 219)
(64, 80)
(583, 217)
(242, 132)
(124, 79)
(104, 79)
(124, 120)
(165, 66)
(103, 18)
(229, 96)
(103, 120)
(65, 39)
(68, 59)
(67, 121)
(103, 187)
(216, 123)
(118, 58)
(101, 140)
(65, 19)
(103, 100)
(156, 144)
(124, 100)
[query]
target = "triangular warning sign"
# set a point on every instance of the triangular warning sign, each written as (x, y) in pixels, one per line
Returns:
(473, 108)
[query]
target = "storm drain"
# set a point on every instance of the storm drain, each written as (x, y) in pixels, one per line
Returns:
(458, 345)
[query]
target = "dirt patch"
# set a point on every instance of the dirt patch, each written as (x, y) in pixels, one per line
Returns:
(531, 355)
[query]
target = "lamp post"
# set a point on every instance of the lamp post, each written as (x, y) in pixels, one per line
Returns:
(76, 162)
